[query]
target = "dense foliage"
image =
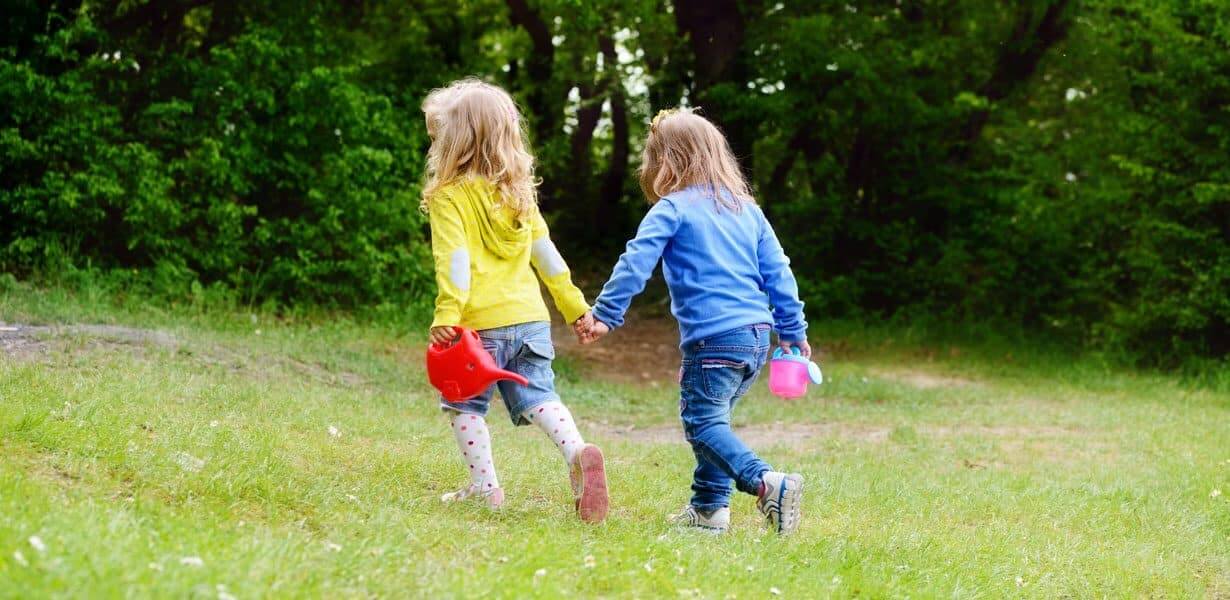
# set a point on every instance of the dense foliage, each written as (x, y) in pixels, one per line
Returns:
(1055, 164)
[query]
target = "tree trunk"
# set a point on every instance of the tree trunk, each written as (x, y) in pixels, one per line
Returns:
(716, 30)
(607, 222)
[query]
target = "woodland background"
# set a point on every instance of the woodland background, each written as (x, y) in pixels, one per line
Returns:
(1058, 167)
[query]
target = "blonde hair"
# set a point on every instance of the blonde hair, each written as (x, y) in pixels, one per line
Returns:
(476, 131)
(685, 149)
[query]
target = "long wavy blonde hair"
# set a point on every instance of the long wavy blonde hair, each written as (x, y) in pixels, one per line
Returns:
(476, 131)
(685, 149)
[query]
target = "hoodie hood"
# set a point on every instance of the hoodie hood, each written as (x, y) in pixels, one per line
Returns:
(499, 229)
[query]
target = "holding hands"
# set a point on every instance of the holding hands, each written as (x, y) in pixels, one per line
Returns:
(589, 329)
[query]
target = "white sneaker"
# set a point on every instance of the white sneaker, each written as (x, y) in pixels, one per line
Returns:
(716, 522)
(781, 500)
(494, 498)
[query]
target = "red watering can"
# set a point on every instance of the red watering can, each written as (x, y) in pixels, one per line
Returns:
(464, 369)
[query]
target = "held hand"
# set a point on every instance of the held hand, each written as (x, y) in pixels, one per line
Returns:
(803, 347)
(595, 332)
(442, 336)
(582, 325)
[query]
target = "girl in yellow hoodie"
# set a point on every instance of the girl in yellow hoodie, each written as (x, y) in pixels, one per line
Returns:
(486, 233)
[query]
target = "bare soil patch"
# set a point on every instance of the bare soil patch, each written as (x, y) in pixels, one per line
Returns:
(643, 351)
(40, 342)
(924, 380)
(36, 341)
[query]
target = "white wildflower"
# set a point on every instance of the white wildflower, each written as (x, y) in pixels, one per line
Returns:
(332, 547)
(831, 66)
(37, 543)
(213, 423)
(590, 561)
(540, 573)
(337, 132)
(334, 431)
(775, 591)
(189, 462)
(837, 580)
(20, 558)
(258, 332)
(118, 55)
(192, 561)
(155, 567)
(1070, 177)
(1020, 581)
(1072, 94)
(1215, 493)
(649, 567)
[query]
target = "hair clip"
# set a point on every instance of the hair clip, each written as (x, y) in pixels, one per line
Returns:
(662, 114)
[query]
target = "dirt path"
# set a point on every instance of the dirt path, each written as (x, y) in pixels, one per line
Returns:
(644, 351)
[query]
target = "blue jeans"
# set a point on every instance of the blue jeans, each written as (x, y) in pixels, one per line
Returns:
(716, 372)
(525, 349)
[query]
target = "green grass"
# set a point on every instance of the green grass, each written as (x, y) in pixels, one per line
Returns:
(931, 472)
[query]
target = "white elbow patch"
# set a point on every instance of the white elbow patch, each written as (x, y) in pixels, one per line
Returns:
(547, 257)
(459, 269)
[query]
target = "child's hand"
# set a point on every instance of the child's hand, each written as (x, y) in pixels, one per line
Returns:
(803, 347)
(442, 336)
(582, 325)
(598, 330)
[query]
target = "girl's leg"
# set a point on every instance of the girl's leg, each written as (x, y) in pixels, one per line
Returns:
(555, 420)
(586, 467)
(474, 441)
(711, 486)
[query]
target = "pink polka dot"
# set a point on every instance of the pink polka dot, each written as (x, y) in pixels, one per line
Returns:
(473, 418)
(484, 470)
(488, 485)
(471, 442)
(541, 409)
(563, 442)
(556, 431)
(463, 427)
(561, 420)
(471, 466)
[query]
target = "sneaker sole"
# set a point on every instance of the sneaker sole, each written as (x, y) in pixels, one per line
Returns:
(594, 502)
(794, 505)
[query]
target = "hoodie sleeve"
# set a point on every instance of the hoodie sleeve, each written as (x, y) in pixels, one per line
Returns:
(637, 263)
(779, 283)
(452, 260)
(554, 273)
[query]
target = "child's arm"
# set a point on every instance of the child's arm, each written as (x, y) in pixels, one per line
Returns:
(452, 259)
(637, 263)
(553, 272)
(781, 286)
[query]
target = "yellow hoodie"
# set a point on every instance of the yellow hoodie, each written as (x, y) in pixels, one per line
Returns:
(483, 256)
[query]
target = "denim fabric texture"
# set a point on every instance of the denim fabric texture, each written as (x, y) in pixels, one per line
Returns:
(525, 349)
(716, 372)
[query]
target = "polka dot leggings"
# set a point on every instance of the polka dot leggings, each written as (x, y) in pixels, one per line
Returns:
(474, 441)
(556, 421)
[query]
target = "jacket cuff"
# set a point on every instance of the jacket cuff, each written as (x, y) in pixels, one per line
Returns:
(444, 318)
(792, 335)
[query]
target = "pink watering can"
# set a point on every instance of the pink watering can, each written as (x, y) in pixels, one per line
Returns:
(464, 369)
(789, 373)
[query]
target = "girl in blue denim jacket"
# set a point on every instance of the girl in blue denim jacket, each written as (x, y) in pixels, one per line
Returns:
(730, 285)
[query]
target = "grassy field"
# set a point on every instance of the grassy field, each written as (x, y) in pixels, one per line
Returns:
(189, 453)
